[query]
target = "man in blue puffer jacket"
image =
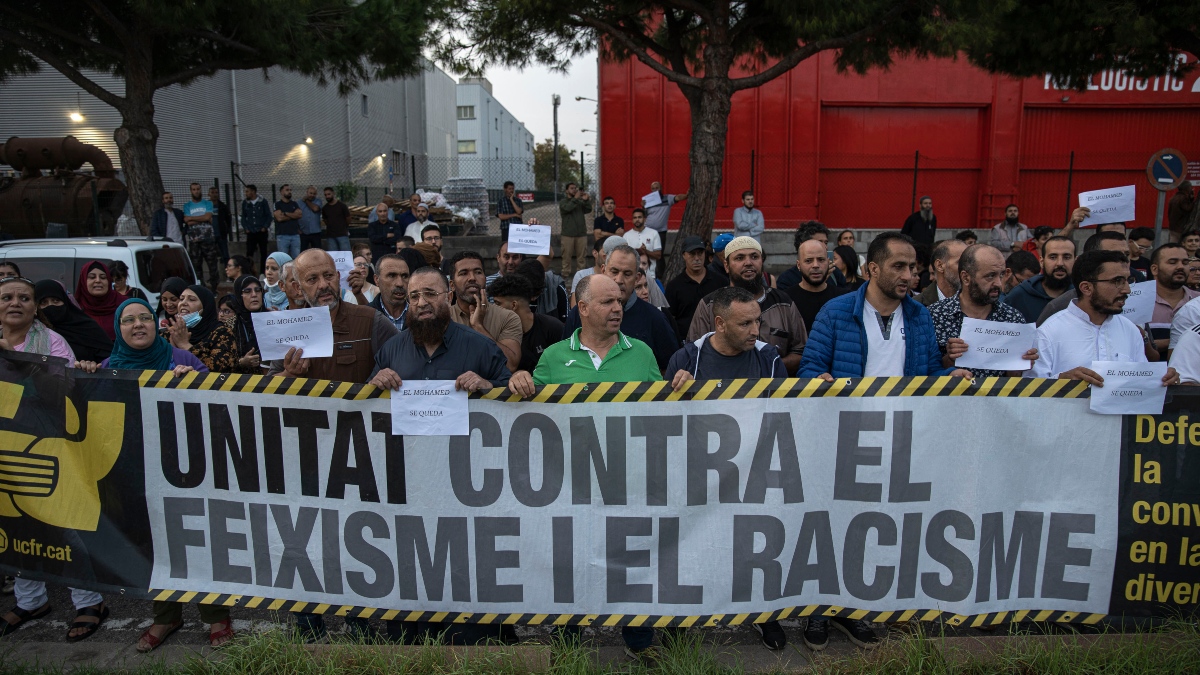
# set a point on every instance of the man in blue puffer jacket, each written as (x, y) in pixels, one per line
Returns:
(861, 334)
(877, 331)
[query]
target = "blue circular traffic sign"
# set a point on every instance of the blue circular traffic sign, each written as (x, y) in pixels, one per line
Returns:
(1167, 169)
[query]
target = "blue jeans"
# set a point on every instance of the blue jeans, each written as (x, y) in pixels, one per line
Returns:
(337, 243)
(289, 244)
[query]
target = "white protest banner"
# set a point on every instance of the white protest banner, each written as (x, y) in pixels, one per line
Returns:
(429, 408)
(996, 346)
(344, 262)
(1110, 205)
(652, 199)
(1139, 306)
(1129, 388)
(529, 239)
(310, 328)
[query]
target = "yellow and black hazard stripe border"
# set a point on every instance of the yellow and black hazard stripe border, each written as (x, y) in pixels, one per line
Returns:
(646, 392)
(649, 620)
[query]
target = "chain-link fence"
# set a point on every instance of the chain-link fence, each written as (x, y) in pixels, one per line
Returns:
(842, 189)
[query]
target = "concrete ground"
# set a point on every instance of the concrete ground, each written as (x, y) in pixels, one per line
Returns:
(42, 641)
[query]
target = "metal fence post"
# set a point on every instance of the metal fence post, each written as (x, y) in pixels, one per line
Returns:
(231, 199)
(414, 173)
(274, 198)
(916, 162)
(366, 196)
(96, 212)
(752, 170)
(1070, 177)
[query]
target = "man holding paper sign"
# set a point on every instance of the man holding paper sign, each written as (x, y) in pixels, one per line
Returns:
(1091, 328)
(358, 331)
(996, 335)
(1111, 205)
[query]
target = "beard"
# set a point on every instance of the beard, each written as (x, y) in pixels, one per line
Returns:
(430, 331)
(1056, 284)
(978, 295)
(1011, 221)
(755, 285)
(1108, 309)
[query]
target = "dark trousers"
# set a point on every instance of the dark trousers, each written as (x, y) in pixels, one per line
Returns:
(258, 240)
(206, 252)
(308, 241)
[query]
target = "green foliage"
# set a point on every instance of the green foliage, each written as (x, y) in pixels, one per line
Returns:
(156, 44)
(1076, 39)
(346, 190)
(543, 166)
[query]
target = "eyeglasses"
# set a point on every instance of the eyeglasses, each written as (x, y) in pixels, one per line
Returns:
(429, 296)
(1119, 282)
(252, 290)
(1143, 248)
(137, 318)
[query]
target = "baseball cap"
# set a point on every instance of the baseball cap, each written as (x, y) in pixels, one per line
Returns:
(721, 242)
(612, 242)
(693, 244)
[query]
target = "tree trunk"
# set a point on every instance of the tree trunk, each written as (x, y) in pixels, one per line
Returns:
(137, 143)
(710, 106)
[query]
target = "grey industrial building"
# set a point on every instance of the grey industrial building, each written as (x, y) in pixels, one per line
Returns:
(270, 127)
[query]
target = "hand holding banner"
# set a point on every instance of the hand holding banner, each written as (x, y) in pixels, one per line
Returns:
(310, 328)
(529, 239)
(995, 345)
(1129, 388)
(1111, 205)
(652, 199)
(429, 408)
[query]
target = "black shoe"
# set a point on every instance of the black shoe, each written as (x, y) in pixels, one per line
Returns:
(816, 634)
(773, 637)
(647, 656)
(860, 632)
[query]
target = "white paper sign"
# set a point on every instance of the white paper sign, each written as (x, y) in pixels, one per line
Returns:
(344, 262)
(652, 199)
(995, 345)
(1139, 306)
(1129, 388)
(1111, 205)
(529, 239)
(310, 328)
(430, 408)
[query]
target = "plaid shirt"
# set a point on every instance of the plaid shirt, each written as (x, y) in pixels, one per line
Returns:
(948, 316)
(503, 206)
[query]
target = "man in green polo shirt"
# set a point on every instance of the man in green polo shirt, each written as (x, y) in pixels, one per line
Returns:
(597, 352)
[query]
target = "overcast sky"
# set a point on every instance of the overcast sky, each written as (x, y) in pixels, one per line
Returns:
(526, 94)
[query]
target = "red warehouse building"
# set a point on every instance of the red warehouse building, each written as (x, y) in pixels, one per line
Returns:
(847, 149)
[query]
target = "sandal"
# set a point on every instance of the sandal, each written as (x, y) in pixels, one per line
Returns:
(23, 616)
(156, 642)
(91, 626)
(220, 638)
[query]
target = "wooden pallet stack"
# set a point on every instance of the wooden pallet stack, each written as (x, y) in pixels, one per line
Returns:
(360, 214)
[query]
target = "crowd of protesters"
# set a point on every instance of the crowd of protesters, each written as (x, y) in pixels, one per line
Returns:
(410, 314)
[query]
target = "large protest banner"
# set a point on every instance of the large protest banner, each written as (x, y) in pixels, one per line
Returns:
(1002, 499)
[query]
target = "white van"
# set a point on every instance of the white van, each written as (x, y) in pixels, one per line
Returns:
(150, 261)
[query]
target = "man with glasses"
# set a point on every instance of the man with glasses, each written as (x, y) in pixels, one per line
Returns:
(1091, 328)
(1141, 243)
(358, 333)
(436, 348)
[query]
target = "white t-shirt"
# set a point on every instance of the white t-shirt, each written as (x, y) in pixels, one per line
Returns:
(1186, 357)
(1069, 339)
(173, 232)
(585, 272)
(1187, 317)
(649, 238)
(885, 356)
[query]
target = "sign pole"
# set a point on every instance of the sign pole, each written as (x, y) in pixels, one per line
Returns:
(1158, 218)
(1166, 170)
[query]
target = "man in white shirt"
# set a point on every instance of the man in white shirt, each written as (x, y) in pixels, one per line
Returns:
(599, 254)
(1187, 318)
(644, 239)
(1091, 328)
(417, 226)
(1185, 358)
